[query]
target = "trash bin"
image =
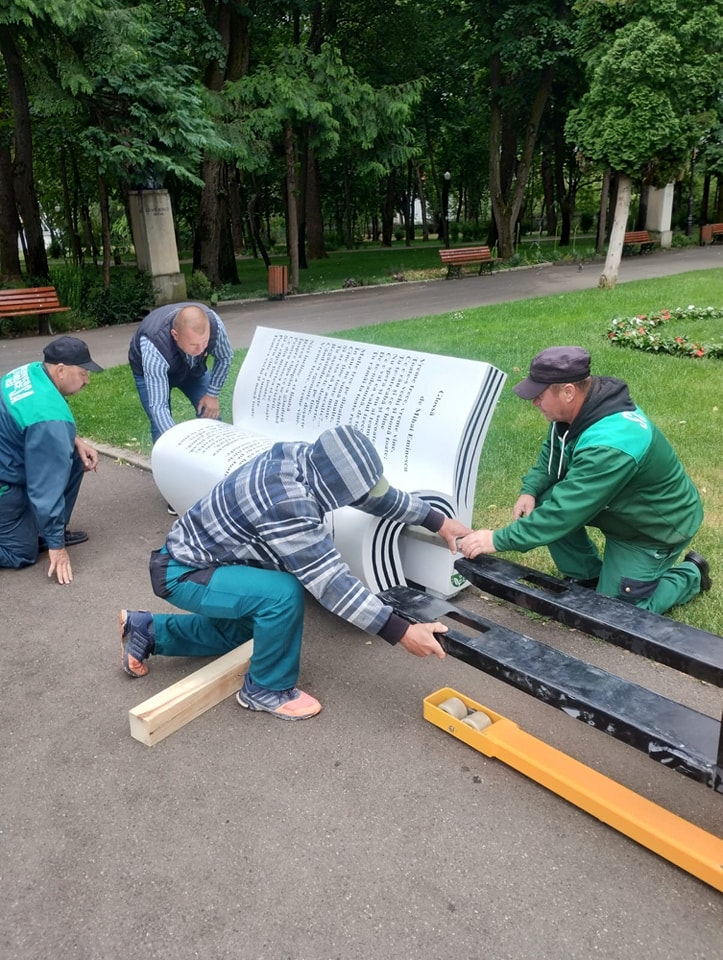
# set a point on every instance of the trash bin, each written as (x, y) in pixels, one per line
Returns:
(278, 282)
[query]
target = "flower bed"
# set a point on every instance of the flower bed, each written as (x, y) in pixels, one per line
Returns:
(643, 332)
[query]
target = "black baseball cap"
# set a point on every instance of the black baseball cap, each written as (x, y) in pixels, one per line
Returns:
(554, 365)
(70, 351)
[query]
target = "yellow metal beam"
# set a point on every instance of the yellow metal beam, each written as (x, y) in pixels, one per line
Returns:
(682, 843)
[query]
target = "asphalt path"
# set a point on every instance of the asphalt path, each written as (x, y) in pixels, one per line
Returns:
(362, 306)
(366, 832)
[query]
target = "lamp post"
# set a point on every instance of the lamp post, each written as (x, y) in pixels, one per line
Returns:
(445, 207)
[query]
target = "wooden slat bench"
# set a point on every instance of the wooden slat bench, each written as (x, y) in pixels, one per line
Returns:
(454, 257)
(712, 233)
(31, 300)
(637, 238)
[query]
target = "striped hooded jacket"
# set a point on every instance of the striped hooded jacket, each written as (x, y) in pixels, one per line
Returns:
(270, 513)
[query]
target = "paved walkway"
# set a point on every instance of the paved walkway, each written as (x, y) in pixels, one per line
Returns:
(362, 306)
(365, 832)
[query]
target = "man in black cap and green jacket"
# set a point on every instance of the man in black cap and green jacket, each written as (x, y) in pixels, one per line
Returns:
(42, 460)
(604, 464)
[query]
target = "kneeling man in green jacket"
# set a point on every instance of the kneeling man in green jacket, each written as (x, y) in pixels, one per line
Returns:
(604, 464)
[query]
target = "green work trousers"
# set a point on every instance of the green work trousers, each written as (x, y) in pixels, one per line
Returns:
(647, 577)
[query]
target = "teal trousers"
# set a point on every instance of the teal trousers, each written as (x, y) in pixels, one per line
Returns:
(235, 604)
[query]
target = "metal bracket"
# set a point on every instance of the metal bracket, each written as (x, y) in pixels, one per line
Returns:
(669, 732)
(677, 645)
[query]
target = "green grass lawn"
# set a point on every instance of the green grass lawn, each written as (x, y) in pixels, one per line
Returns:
(683, 396)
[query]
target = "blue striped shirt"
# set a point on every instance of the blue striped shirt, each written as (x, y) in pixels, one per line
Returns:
(155, 374)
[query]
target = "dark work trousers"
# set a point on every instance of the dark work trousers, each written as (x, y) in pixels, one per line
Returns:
(18, 526)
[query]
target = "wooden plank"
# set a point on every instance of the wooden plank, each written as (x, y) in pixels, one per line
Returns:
(174, 707)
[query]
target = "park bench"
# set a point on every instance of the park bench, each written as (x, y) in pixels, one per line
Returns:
(31, 300)
(637, 238)
(456, 256)
(711, 233)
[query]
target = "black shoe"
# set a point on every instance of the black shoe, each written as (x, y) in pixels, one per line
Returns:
(71, 538)
(590, 584)
(702, 564)
(171, 511)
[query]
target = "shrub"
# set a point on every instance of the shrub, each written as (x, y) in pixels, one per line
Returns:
(122, 301)
(681, 240)
(200, 287)
(67, 278)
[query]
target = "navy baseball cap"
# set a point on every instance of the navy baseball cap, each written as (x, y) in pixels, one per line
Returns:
(70, 351)
(554, 365)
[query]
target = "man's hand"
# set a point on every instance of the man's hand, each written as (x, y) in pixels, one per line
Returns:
(420, 640)
(60, 565)
(208, 408)
(88, 456)
(478, 542)
(524, 506)
(452, 531)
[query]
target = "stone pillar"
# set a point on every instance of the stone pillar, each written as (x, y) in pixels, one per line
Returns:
(155, 243)
(659, 214)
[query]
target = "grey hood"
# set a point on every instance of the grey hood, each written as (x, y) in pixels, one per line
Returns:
(342, 467)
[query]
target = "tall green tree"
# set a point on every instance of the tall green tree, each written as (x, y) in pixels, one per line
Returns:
(23, 26)
(654, 81)
(320, 95)
(523, 44)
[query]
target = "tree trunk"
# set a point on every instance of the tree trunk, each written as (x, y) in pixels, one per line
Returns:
(104, 230)
(212, 237)
(291, 200)
(566, 190)
(642, 216)
(602, 220)
(255, 229)
(548, 190)
(315, 246)
(76, 247)
(10, 227)
(207, 243)
(388, 211)
(234, 201)
(348, 218)
(24, 182)
(704, 201)
(507, 202)
(422, 203)
(609, 277)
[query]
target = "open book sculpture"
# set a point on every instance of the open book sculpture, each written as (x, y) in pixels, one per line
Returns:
(427, 415)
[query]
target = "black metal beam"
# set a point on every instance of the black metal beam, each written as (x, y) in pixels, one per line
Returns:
(659, 638)
(669, 732)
